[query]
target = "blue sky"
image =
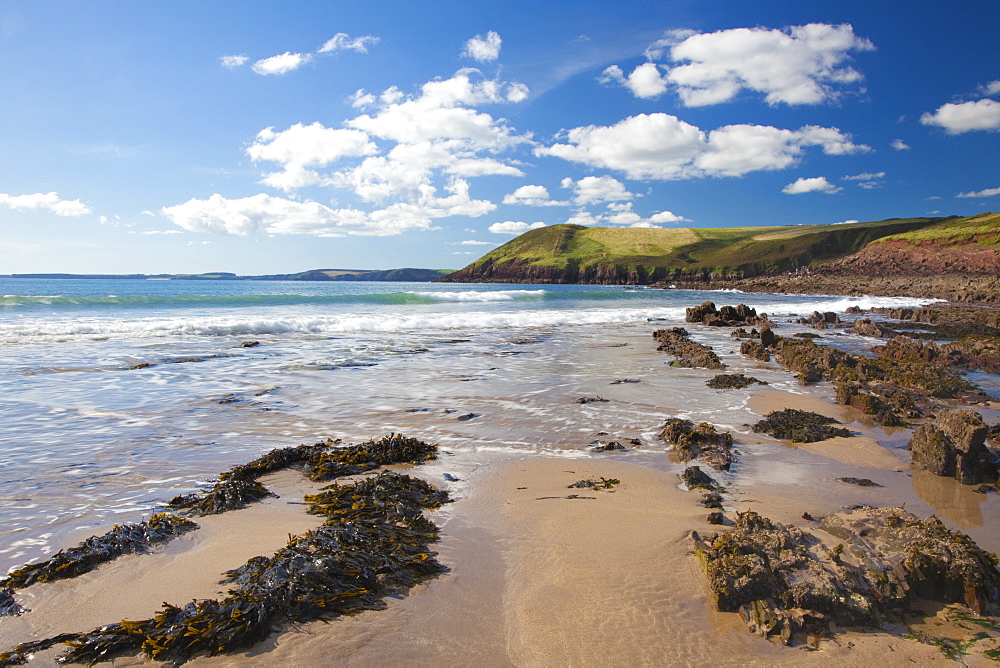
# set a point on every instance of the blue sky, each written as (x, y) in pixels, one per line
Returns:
(265, 137)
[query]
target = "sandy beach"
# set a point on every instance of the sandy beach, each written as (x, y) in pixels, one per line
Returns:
(541, 575)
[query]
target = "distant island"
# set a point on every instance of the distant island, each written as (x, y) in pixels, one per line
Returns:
(395, 275)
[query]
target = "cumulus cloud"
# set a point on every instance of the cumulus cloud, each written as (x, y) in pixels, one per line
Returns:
(301, 147)
(957, 118)
(343, 42)
(264, 214)
(532, 196)
(988, 192)
(661, 146)
(282, 63)
(473, 242)
(598, 189)
(233, 61)
(645, 81)
(817, 184)
(865, 176)
(484, 49)
(799, 65)
(49, 202)
(513, 227)
(900, 145)
(667, 217)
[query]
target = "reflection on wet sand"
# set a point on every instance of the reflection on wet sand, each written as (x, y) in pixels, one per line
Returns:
(952, 500)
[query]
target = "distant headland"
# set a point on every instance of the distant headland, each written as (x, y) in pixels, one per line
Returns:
(407, 274)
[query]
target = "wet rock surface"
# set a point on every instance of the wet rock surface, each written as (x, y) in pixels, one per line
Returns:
(733, 381)
(726, 316)
(799, 426)
(702, 441)
(786, 582)
(688, 353)
(954, 446)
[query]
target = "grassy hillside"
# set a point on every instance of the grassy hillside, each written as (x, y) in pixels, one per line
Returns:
(579, 254)
(982, 230)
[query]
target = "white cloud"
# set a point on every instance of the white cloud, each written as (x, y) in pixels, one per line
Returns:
(281, 64)
(660, 146)
(957, 118)
(343, 42)
(45, 202)
(990, 89)
(472, 242)
(361, 99)
(151, 232)
(848, 222)
(645, 81)
(595, 189)
(484, 49)
(233, 61)
(532, 196)
(799, 65)
(817, 184)
(988, 192)
(900, 145)
(513, 227)
(667, 217)
(303, 146)
(262, 213)
(865, 176)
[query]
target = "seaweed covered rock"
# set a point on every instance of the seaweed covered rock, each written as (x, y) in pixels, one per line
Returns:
(799, 426)
(726, 316)
(935, 562)
(96, 550)
(868, 327)
(703, 440)
(972, 352)
(695, 478)
(374, 543)
(820, 320)
(8, 606)
(732, 381)
(784, 581)
(954, 446)
(689, 354)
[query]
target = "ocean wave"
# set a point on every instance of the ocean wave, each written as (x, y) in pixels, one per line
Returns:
(66, 330)
(487, 296)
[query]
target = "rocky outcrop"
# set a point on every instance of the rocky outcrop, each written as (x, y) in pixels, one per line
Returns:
(868, 327)
(786, 582)
(688, 353)
(726, 316)
(954, 446)
(703, 441)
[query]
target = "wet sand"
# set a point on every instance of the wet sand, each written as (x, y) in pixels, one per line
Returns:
(537, 579)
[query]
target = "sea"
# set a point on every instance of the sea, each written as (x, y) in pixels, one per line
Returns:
(117, 395)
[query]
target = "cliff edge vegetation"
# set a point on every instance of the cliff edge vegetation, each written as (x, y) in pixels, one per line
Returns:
(580, 254)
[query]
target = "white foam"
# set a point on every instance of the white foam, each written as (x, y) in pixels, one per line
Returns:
(474, 296)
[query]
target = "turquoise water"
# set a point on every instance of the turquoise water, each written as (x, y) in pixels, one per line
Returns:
(117, 395)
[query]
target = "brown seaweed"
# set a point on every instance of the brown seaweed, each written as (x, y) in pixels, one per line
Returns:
(595, 483)
(799, 426)
(374, 543)
(21, 654)
(351, 460)
(702, 440)
(88, 555)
